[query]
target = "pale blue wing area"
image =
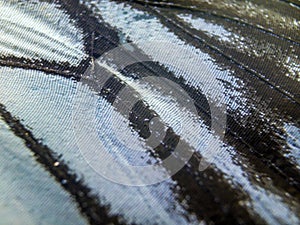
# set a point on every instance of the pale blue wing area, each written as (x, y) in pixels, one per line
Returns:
(29, 195)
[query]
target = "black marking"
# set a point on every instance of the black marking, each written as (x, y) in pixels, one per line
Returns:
(165, 5)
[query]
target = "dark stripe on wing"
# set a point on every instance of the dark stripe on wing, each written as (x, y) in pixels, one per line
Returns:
(265, 145)
(89, 204)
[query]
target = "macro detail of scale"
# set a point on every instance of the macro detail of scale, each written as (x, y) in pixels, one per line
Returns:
(149, 112)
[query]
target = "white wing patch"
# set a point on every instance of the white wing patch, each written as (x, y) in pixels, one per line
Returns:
(39, 31)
